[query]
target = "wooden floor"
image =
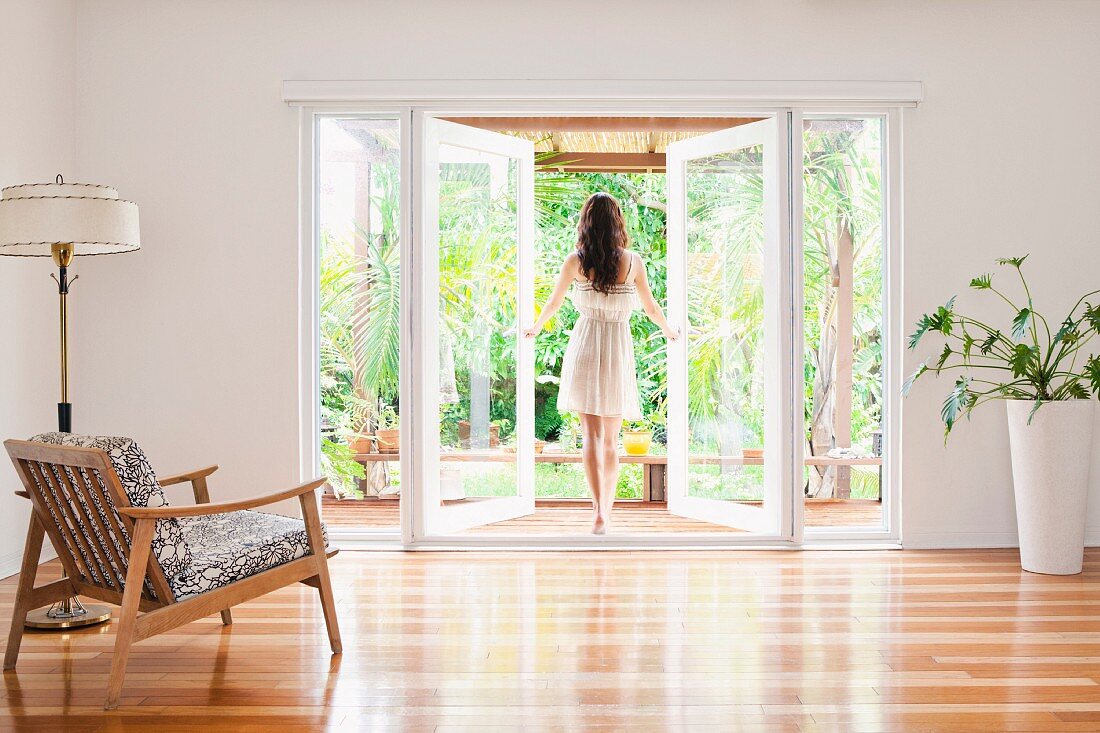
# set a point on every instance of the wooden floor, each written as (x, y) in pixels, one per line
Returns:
(852, 642)
(565, 519)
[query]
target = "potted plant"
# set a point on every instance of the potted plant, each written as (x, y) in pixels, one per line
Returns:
(569, 435)
(343, 472)
(494, 432)
(1033, 367)
(638, 434)
(388, 432)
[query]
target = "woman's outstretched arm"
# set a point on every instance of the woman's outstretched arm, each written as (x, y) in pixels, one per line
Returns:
(649, 303)
(561, 287)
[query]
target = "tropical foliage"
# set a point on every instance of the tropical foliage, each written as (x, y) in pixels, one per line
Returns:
(360, 285)
(1028, 360)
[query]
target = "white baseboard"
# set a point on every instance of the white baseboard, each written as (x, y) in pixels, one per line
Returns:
(976, 540)
(10, 563)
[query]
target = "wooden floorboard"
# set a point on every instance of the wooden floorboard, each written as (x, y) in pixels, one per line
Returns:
(565, 519)
(800, 642)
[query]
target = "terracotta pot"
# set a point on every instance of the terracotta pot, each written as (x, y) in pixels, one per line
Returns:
(637, 442)
(464, 433)
(539, 446)
(361, 444)
(389, 441)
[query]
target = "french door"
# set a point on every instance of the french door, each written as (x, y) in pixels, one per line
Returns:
(730, 448)
(476, 257)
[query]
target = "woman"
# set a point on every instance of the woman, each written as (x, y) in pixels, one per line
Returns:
(597, 375)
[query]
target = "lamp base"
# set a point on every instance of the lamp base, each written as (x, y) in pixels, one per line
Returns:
(64, 417)
(67, 614)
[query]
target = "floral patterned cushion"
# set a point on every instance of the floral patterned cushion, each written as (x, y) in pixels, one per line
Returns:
(140, 483)
(229, 547)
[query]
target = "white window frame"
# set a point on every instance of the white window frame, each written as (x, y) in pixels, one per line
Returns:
(410, 99)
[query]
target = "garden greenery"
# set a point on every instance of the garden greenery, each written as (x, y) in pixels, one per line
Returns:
(1029, 360)
(360, 288)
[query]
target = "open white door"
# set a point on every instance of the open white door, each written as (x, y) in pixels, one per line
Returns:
(476, 250)
(729, 422)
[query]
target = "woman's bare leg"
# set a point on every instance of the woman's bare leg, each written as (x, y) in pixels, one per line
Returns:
(609, 465)
(592, 456)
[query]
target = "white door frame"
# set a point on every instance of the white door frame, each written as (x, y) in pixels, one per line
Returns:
(403, 99)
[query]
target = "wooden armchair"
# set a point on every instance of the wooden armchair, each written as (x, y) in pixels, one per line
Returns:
(119, 541)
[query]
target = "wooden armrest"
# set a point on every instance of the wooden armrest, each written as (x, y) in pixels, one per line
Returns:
(199, 510)
(179, 478)
(24, 494)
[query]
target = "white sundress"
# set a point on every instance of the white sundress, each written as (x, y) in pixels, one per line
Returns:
(598, 372)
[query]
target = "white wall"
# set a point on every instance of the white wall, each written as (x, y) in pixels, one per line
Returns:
(36, 142)
(190, 344)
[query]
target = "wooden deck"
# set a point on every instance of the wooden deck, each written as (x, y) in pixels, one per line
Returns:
(767, 642)
(575, 517)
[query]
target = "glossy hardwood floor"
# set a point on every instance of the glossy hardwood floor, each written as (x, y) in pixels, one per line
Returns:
(613, 641)
(563, 519)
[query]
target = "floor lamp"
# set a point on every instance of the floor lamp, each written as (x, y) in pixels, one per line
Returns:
(66, 220)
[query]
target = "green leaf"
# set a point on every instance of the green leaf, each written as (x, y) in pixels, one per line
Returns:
(968, 345)
(908, 385)
(947, 352)
(1023, 356)
(982, 282)
(1068, 333)
(1092, 315)
(1076, 390)
(990, 342)
(1034, 409)
(943, 319)
(957, 401)
(1014, 261)
(1020, 323)
(1092, 372)
(923, 324)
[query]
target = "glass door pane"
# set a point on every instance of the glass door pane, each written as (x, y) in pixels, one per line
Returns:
(843, 273)
(359, 292)
(478, 237)
(727, 436)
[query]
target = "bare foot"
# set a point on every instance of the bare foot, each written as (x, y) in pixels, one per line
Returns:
(599, 525)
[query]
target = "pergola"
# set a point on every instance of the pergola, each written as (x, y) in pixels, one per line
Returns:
(603, 144)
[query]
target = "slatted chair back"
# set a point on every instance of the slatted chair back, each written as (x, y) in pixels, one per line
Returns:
(74, 492)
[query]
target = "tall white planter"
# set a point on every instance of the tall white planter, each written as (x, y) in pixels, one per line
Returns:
(1050, 473)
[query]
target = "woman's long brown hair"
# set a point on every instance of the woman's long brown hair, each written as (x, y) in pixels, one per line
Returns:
(601, 240)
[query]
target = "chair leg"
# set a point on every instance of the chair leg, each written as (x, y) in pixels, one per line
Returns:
(32, 553)
(137, 565)
(312, 518)
(227, 617)
(328, 606)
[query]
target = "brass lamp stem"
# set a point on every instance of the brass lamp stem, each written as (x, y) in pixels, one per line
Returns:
(64, 342)
(63, 257)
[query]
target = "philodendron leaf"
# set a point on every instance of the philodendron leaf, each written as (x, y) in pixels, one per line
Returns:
(968, 345)
(908, 385)
(1020, 323)
(1034, 409)
(1092, 373)
(1014, 261)
(1076, 390)
(947, 352)
(1092, 315)
(957, 401)
(982, 282)
(1068, 333)
(1022, 357)
(943, 319)
(923, 324)
(988, 344)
